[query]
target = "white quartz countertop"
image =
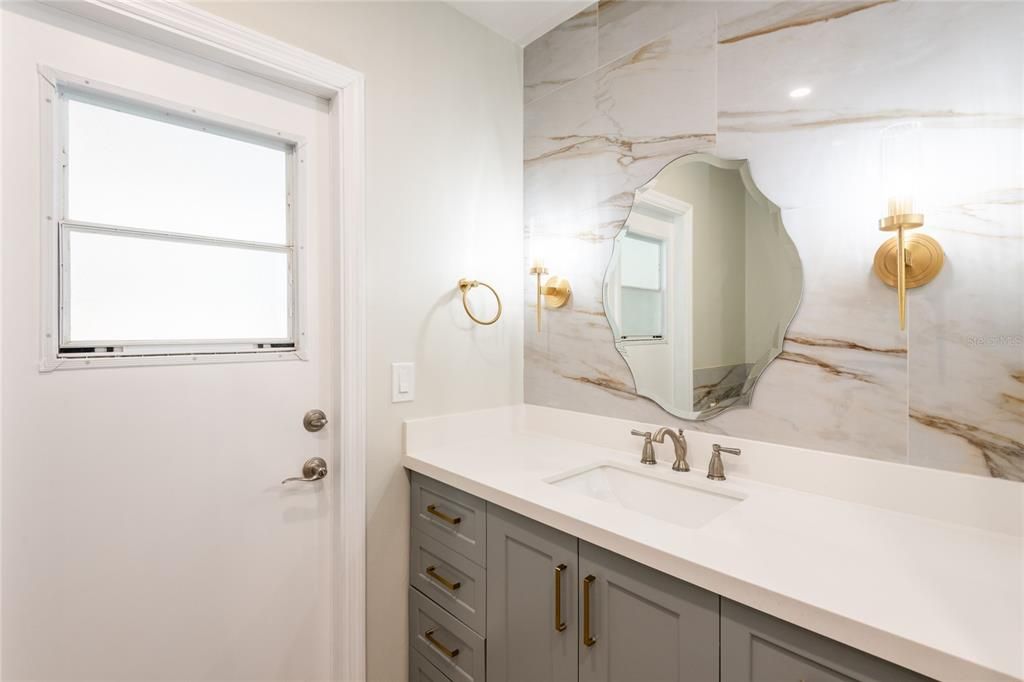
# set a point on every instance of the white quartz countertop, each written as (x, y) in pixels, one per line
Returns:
(942, 599)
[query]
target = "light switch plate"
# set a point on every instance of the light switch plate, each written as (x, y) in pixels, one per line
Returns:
(403, 381)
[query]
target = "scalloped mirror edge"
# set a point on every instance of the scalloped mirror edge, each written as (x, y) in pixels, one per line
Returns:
(652, 385)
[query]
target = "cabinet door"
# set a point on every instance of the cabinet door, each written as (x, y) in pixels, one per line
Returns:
(531, 600)
(756, 646)
(644, 625)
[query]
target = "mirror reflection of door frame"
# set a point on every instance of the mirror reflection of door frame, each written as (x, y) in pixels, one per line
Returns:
(680, 285)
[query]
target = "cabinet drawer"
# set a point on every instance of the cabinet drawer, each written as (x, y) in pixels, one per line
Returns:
(421, 670)
(455, 519)
(457, 651)
(756, 646)
(450, 579)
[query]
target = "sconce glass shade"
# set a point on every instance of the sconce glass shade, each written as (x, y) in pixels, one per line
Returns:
(904, 261)
(901, 169)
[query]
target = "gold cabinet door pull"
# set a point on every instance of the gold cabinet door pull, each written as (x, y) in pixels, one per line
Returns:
(559, 623)
(587, 639)
(454, 520)
(450, 653)
(432, 572)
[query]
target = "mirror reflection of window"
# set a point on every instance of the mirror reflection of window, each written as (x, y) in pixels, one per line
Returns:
(642, 288)
(702, 283)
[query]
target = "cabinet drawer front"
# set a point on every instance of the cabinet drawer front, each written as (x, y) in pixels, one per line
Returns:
(454, 518)
(450, 579)
(457, 651)
(756, 646)
(421, 670)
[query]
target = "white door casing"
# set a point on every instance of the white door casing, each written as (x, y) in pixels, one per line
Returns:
(194, 32)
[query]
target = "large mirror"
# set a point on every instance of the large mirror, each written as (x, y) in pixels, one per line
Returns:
(702, 285)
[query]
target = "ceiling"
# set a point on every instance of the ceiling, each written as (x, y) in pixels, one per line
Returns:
(521, 21)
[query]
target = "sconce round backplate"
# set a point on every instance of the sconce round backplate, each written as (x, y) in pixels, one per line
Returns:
(924, 260)
(556, 292)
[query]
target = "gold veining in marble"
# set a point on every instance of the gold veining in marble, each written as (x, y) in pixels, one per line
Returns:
(1012, 404)
(834, 370)
(812, 15)
(607, 383)
(844, 344)
(1003, 456)
(625, 148)
(803, 119)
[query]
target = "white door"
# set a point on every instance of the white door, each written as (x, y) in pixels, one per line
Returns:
(146, 530)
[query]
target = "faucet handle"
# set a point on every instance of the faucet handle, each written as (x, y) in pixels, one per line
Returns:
(716, 469)
(648, 454)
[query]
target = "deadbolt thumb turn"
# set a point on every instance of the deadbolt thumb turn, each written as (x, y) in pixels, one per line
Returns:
(314, 469)
(314, 420)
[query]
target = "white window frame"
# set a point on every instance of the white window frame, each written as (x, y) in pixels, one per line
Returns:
(58, 352)
(638, 232)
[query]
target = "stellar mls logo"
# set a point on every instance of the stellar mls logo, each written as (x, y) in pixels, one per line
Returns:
(1005, 340)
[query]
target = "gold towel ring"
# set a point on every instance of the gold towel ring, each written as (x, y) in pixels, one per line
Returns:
(465, 285)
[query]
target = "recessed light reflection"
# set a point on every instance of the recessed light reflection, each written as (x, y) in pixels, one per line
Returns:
(799, 92)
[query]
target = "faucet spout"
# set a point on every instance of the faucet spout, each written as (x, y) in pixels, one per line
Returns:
(678, 442)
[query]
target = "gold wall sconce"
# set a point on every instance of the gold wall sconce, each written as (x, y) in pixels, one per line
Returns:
(904, 261)
(555, 291)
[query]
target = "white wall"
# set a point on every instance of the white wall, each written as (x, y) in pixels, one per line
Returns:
(444, 201)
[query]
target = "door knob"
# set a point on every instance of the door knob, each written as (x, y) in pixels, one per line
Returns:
(314, 469)
(314, 420)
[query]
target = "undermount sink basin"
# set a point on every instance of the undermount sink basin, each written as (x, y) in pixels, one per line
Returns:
(679, 503)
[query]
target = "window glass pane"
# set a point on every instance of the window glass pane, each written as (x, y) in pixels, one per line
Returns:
(641, 312)
(641, 262)
(133, 171)
(125, 288)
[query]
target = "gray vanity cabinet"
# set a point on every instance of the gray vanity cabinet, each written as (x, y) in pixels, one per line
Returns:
(532, 580)
(758, 647)
(497, 597)
(643, 624)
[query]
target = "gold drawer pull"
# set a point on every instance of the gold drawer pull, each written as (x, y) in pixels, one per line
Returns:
(559, 623)
(432, 572)
(454, 520)
(587, 639)
(450, 653)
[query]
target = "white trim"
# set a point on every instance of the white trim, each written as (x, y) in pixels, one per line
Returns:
(110, 96)
(191, 30)
(183, 26)
(663, 201)
(348, 207)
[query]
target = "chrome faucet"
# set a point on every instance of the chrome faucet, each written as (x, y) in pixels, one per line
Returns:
(679, 442)
(716, 470)
(648, 454)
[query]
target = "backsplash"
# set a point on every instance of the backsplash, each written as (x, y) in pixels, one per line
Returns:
(616, 92)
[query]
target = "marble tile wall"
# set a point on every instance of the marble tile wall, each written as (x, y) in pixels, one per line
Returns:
(618, 91)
